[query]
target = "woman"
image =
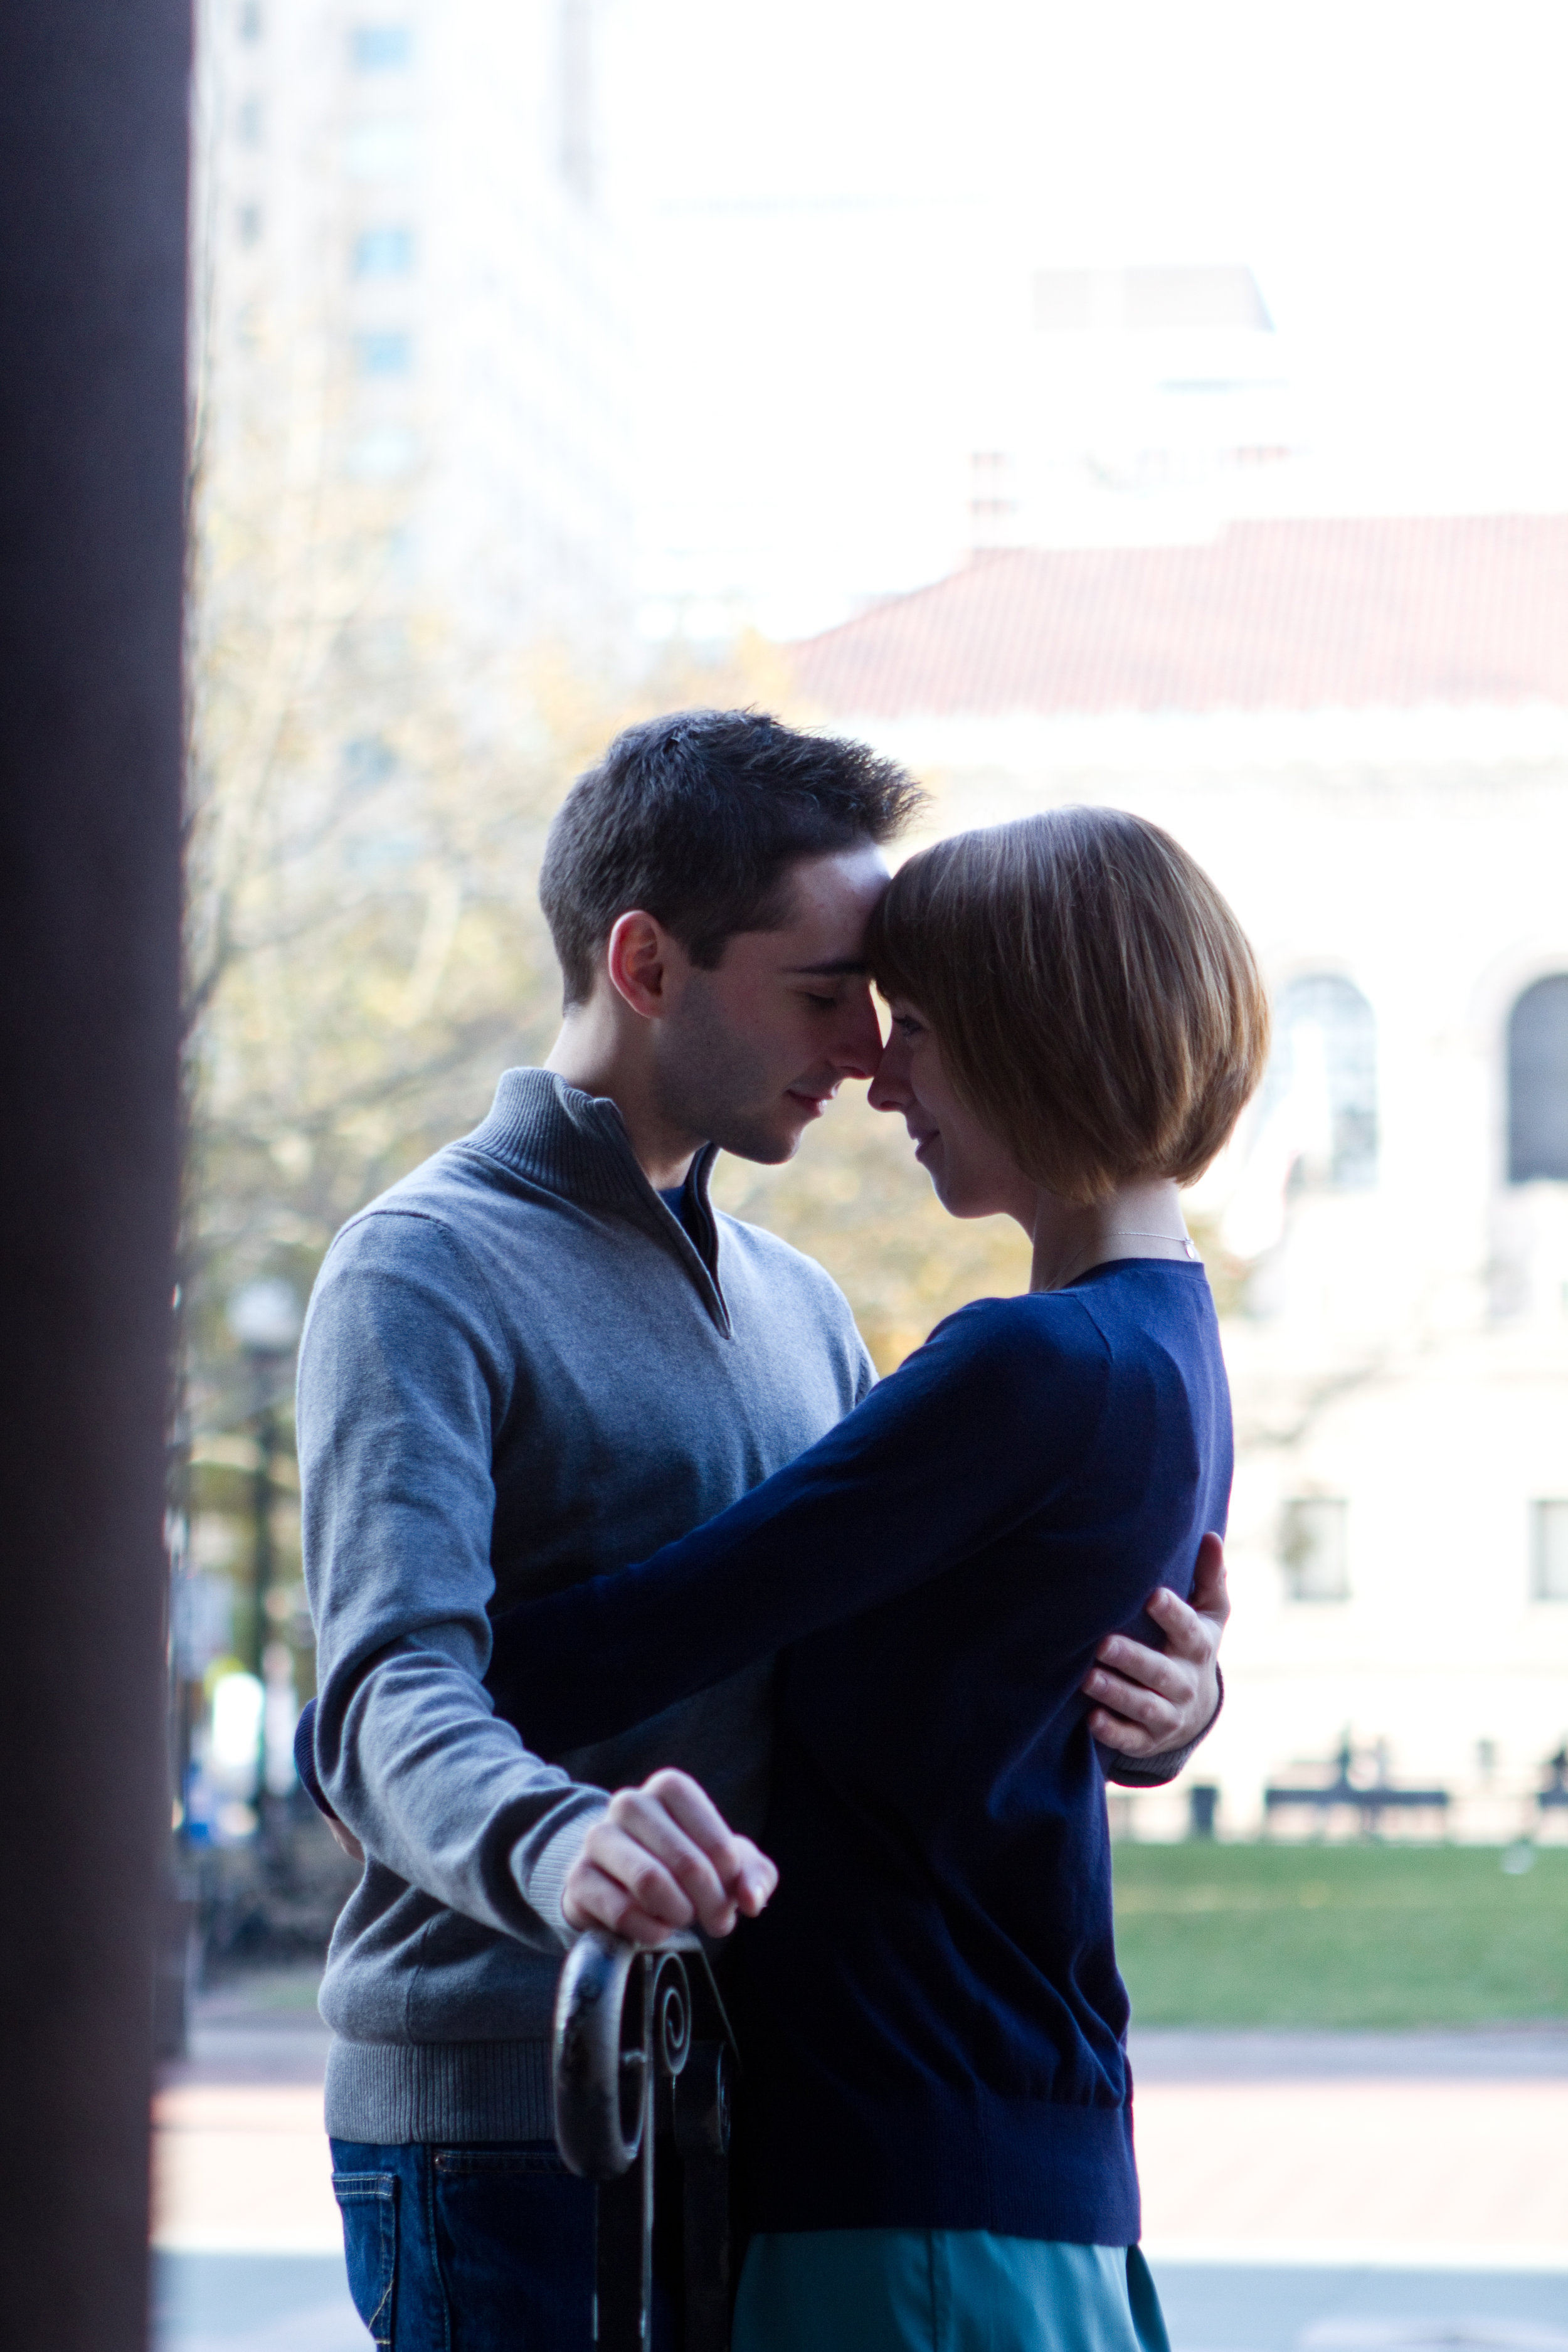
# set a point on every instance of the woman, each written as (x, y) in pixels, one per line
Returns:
(938, 2145)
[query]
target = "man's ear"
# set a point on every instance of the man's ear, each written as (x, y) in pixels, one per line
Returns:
(643, 961)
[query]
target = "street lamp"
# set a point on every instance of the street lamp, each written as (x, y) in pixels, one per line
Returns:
(264, 1318)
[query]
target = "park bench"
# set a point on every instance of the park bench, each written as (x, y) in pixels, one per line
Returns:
(1369, 1798)
(645, 2065)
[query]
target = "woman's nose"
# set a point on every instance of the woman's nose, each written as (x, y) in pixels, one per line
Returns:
(889, 1090)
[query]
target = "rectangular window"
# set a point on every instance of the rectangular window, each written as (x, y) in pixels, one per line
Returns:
(247, 121)
(1549, 1579)
(379, 150)
(384, 253)
(381, 49)
(384, 351)
(248, 222)
(1314, 1548)
(251, 20)
(379, 456)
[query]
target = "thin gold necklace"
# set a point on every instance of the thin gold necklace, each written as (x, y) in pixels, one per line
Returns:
(1143, 1234)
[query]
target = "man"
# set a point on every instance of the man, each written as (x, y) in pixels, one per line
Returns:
(541, 1356)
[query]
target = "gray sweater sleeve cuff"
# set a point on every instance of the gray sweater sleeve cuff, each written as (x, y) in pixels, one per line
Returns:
(542, 1863)
(1156, 1771)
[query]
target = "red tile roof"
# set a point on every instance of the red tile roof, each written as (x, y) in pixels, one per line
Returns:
(1284, 615)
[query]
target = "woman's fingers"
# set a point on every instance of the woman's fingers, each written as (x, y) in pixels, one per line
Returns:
(1126, 1716)
(1210, 1594)
(1126, 1737)
(1194, 1628)
(1143, 1696)
(1151, 1700)
(1187, 1635)
(1166, 1673)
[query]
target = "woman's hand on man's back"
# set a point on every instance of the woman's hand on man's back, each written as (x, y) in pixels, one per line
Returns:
(1148, 1701)
(662, 1857)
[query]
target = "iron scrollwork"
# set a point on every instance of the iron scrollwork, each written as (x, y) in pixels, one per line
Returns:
(645, 2072)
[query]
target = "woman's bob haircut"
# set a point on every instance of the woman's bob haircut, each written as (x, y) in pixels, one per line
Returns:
(1095, 1000)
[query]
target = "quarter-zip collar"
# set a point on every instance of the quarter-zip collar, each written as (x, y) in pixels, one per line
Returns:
(576, 1145)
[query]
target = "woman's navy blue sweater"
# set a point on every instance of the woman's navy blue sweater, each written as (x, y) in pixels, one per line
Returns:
(932, 2021)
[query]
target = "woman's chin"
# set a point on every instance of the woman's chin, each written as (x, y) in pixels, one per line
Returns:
(937, 1186)
(956, 1202)
(970, 1201)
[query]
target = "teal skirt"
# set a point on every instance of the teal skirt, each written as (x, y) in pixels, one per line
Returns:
(943, 2291)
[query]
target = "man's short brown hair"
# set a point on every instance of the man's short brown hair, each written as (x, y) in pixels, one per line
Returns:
(1095, 1000)
(698, 818)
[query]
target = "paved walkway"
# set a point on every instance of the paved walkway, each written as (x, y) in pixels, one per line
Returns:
(1446, 2150)
(1284, 2176)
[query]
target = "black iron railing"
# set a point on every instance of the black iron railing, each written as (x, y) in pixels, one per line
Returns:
(645, 2072)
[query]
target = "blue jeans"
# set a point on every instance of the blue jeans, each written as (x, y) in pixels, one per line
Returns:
(486, 2248)
(482, 2248)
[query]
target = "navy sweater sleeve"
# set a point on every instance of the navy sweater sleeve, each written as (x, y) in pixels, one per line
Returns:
(967, 1439)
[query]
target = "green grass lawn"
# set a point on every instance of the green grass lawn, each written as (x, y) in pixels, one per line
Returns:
(1340, 1935)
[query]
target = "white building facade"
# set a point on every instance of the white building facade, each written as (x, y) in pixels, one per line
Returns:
(1365, 740)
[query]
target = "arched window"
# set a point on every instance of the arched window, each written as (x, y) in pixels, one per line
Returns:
(1538, 1083)
(1322, 1083)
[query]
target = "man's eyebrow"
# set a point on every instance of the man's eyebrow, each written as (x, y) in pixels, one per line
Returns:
(831, 969)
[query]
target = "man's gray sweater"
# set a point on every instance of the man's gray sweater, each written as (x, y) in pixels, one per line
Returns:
(517, 1370)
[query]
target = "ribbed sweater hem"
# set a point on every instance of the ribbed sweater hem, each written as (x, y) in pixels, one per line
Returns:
(1022, 2167)
(439, 2093)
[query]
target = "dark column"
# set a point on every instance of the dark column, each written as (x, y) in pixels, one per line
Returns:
(93, 220)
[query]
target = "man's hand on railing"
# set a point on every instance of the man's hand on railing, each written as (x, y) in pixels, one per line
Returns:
(1148, 1701)
(663, 1857)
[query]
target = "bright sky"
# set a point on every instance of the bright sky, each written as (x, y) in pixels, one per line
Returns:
(835, 207)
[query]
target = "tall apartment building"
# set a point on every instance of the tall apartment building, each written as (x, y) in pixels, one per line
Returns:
(412, 370)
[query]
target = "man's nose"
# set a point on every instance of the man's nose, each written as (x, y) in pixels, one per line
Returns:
(858, 1048)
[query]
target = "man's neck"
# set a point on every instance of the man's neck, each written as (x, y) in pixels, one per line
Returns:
(594, 1054)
